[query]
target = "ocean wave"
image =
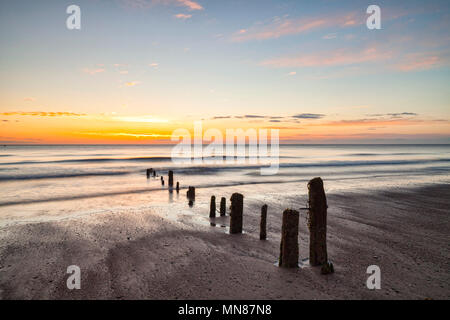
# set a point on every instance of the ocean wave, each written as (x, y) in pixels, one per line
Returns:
(135, 159)
(61, 175)
(200, 186)
(210, 169)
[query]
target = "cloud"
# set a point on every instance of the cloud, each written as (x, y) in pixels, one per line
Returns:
(145, 4)
(183, 16)
(126, 134)
(337, 58)
(29, 99)
(131, 83)
(192, 5)
(221, 117)
(279, 27)
(93, 71)
(308, 116)
(393, 115)
(293, 73)
(330, 36)
(153, 65)
(146, 119)
(370, 122)
(252, 116)
(43, 114)
(415, 62)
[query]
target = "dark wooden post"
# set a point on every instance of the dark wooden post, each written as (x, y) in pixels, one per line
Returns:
(212, 207)
(191, 193)
(178, 187)
(154, 173)
(317, 223)
(162, 180)
(237, 207)
(149, 171)
(263, 224)
(223, 208)
(170, 178)
(289, 239)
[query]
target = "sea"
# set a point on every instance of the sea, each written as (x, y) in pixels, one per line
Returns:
(51, 182)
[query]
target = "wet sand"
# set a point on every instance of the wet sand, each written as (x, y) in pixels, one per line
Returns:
(172, 251)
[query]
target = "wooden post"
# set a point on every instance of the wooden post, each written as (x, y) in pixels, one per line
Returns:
(223, 208)
(162, 180)
(178, 187)
(289, 239)
(237, 207)
(191, 194)
(317, 223)
(263, 224)
(154, 173)
(170, 178)
(149, 171)
(212, 207)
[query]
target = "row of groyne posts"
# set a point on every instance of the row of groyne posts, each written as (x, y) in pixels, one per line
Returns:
(289, 248)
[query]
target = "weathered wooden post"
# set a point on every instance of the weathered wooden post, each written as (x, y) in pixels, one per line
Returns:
(170, 178)
(317, 223)
(178, 187)
(237, 207)
(149, 172)
(223, 208)
(289, 239)
(263, 224)
(212, 207)
(191, 194)
(154, 173)
(162, 180)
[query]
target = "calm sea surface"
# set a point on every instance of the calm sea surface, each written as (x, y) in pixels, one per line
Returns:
(59, 181)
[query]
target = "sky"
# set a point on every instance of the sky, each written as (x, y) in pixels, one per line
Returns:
(139, 69)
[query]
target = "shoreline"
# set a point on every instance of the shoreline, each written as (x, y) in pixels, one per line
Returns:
(171, 252)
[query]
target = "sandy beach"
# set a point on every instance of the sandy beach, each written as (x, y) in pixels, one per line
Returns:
(173, 252)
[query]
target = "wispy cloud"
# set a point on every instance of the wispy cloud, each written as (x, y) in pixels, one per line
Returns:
(131, 83)
(394, 115)
(42, 114)
(183, 16)
(370, 122)
(414, 62)
(145, 119)
(308, 116)
(126, 134)
(336, 58)
(145, 4)
(93, 71)
(279, 27)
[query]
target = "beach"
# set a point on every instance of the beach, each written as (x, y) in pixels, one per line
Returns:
(134, 238)
(173, 252)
